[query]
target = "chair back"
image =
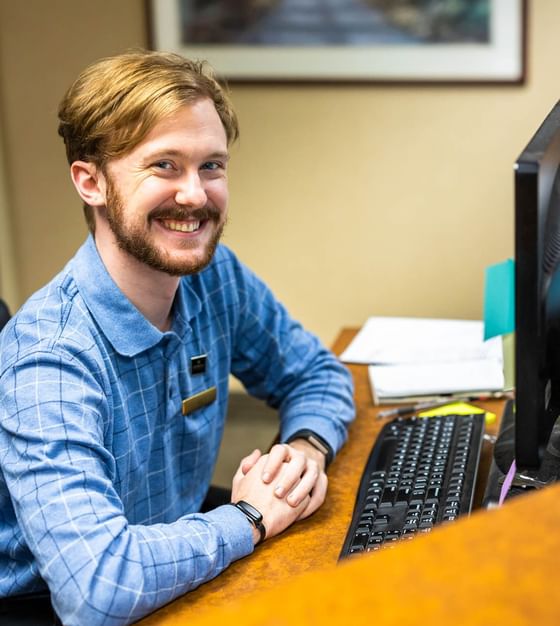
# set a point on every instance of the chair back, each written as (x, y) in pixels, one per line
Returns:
(4, 313)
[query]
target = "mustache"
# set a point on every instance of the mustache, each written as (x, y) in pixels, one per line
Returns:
(180, 213)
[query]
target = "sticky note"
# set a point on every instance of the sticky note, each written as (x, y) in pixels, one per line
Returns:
(499, 299)
(458, 408)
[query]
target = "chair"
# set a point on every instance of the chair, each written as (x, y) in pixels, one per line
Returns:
(4, 313)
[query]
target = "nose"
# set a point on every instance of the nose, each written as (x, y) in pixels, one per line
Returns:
(190, 191)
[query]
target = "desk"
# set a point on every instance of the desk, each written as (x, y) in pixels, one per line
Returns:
(470, 572)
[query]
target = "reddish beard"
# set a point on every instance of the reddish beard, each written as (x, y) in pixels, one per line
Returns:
(136, 241)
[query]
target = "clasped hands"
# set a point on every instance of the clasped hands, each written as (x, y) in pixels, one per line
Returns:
(285, 485)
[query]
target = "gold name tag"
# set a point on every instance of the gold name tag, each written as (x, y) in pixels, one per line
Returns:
(199, 400)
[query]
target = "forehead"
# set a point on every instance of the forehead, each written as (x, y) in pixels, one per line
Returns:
(193, 127)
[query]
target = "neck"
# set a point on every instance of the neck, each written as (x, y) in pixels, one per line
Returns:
(152, 292)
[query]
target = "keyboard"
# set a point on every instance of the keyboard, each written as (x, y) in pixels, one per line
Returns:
(421, 472)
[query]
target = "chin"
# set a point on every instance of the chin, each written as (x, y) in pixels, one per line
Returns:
(186, 266)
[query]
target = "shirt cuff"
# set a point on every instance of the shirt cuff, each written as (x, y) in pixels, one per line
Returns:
(235, 528)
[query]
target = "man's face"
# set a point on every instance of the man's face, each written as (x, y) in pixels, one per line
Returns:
(166, 200)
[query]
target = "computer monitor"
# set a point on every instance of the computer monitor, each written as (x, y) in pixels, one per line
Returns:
(537, 293)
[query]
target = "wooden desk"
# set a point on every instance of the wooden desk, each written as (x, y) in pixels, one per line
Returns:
(471, 572)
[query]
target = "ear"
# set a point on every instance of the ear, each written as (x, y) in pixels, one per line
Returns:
(89, 182)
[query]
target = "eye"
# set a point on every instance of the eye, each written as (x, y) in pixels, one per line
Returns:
(212, 166)
(163, 165)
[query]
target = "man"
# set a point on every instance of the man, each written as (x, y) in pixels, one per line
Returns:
(114, 377)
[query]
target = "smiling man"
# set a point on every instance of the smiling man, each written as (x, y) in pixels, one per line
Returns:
(114, 376)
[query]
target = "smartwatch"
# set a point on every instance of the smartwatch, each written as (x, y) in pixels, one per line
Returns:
(254, 516)
(316, 441)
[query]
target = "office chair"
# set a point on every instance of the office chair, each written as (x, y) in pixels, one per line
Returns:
(4, 313)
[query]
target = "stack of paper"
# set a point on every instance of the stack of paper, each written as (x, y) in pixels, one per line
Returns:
(411, 357)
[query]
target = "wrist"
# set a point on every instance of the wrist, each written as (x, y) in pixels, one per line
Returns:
(315, 442)
(310, 451)
(254, 516)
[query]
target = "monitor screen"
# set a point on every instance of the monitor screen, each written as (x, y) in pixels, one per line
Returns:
(537, 292)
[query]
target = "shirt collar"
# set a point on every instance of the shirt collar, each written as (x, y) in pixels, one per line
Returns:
(128, 331)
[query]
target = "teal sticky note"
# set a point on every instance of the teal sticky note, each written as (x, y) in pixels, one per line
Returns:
(499, 299)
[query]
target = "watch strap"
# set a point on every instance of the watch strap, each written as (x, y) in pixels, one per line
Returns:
(253, 515)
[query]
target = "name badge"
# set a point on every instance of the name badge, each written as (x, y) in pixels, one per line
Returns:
(198, 364)
(203, 398)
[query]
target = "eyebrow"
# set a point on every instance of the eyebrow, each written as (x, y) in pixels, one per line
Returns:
(160, 154)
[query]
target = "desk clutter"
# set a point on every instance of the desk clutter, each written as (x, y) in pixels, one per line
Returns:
(420, 357)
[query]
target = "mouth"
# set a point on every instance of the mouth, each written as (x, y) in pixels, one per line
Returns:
(182, 226)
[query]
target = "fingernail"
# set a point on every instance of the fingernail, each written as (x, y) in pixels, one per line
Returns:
(279, 490)
(266, 477)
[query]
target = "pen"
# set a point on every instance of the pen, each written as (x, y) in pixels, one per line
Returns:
(412, 408)
(421, 406)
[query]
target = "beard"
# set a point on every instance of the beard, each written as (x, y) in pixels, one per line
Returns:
(136, 241)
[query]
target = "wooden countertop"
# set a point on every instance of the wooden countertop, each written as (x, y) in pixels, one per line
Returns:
(491, 568)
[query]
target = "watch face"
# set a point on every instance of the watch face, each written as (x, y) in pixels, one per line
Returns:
(253, 515)
(250, 511)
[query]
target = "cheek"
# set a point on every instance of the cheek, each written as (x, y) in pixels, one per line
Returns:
(217, 191)
(156, 193)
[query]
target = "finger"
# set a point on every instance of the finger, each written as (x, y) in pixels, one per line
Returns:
(305, 485)
(276, 457)
(245, 466)
(303, 506)
(249, 461)
(316, 498)
(291, 474)
(254, 474)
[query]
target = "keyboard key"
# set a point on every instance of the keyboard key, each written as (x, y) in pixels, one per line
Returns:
(381, 520)
(360, 539)
(403, 495)
(388, 497)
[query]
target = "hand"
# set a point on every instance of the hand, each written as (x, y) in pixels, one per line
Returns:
(249, 486)
(249, 461)
(297, 470)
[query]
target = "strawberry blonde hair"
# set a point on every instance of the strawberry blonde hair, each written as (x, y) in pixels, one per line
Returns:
(115, 102)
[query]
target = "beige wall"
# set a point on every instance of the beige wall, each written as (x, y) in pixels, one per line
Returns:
(349, 200)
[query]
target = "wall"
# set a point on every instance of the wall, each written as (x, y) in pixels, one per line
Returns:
(348, 200)
(8, 283)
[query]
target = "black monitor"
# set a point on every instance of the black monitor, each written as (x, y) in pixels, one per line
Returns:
(537, 293)
(530, 428)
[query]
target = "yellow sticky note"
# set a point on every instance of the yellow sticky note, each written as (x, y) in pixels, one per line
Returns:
(458, 408)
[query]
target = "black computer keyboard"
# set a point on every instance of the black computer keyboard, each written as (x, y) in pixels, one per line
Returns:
(420, 472)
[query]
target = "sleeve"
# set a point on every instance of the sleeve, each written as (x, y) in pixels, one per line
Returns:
(99, 568)
(280, 362)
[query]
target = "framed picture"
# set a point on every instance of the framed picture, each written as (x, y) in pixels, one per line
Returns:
(477, 41)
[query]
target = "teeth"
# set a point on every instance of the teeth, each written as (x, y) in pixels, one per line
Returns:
(184, 227)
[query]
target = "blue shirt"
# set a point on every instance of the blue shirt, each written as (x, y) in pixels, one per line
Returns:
(102, 476)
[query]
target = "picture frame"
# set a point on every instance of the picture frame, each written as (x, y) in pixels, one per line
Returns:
(498, 59)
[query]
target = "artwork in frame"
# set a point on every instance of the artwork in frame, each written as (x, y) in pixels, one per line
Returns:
(390, 41)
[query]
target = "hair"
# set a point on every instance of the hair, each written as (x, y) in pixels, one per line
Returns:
(115, 102)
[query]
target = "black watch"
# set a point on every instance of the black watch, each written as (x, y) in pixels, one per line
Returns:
(254, 516)
(316, 441)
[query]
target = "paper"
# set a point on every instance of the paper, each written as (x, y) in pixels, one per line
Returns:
(384, 340)
(499, 299)
(469, 376)
(458, 408)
